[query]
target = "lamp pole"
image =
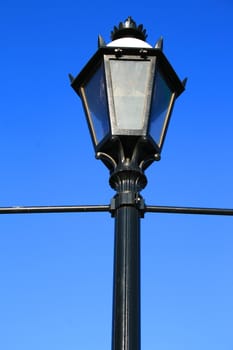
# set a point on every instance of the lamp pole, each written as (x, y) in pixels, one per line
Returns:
(128, 90)
(127, 207)
(126, 285)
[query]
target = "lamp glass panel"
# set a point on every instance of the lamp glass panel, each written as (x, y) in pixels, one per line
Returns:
(95, 94)
(160, 103)
(130, 80)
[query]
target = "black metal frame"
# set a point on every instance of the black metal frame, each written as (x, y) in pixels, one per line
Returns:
(97, 58)
(167, 120)
(103, 56)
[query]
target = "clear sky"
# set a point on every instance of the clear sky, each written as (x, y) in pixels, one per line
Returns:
(56, 270)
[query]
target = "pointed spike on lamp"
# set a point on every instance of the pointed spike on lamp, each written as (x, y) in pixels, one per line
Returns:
(184, 82)
(128, 90)
(71, 77)
(159, 44)
(101, 42)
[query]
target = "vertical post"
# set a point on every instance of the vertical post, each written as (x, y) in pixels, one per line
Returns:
(127, 208)
(126, 288)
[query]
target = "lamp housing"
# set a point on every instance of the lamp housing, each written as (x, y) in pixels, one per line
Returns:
(128, 94)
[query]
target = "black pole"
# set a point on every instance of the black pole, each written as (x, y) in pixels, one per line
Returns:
(127, 208)
(126, 287)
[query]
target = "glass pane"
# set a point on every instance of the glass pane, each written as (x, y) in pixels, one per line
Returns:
(95, 93)
(160, 103)
(130, 88)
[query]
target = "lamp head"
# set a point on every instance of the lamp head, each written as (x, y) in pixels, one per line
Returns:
(128, 90)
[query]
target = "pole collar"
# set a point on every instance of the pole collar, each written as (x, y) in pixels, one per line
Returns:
(132, 199)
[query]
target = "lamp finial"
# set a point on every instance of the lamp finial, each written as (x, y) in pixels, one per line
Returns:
(129, 28)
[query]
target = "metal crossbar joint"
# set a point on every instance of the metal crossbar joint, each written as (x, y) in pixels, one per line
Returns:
(127, 199)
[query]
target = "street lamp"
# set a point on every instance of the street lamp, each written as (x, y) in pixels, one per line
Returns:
(128, 90)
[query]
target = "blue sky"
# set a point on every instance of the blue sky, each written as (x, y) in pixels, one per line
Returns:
(56, 270)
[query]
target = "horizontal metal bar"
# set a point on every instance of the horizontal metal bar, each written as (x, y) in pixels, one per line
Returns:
(55, 209)
(188, 210)
(106, 208)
